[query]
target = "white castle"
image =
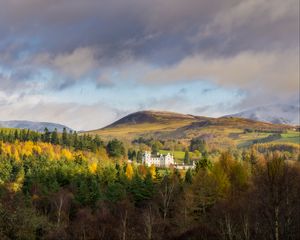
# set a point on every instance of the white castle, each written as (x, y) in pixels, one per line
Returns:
(158, 161)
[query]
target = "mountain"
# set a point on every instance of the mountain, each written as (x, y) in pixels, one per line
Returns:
(278, 114)
(35, 126)
(227, 131)
(152, 117)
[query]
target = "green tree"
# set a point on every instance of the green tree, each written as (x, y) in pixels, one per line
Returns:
(65, 137)
(198, 144)
(54, 137)
(204, 163)
(188, 176)
(186, 157)
(156, 146)
(115, 148)
(46, 135)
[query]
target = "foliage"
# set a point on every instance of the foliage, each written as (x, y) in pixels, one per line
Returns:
(58, 191)
(115, 148)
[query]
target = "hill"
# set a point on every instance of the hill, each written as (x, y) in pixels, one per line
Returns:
(152, 117)
(34, 126)
(278, 114)
(225, 131)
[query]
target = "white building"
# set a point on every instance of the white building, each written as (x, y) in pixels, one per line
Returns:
(158, 161)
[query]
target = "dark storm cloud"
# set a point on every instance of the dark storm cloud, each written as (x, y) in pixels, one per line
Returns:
(161, 32)
(250, 45)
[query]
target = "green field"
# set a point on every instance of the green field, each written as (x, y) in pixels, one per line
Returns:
(291, 137)
(177, 154)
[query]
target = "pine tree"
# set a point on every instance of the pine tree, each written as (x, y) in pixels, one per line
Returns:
(54, 137)
(188, 176)
(65, 141)
(46, 135)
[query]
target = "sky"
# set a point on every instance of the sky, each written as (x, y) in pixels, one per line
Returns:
(86, 63)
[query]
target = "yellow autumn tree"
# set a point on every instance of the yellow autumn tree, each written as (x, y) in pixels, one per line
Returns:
(93, 167)
(26, 148)
(37, 149)
(17, 156)
(129, 171)
(152, 171)
(67, 154)
(6, 149)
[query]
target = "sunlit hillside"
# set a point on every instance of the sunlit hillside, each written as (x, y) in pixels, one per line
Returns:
(223, 132)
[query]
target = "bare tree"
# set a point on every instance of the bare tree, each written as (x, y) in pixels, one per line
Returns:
(61, 202)
(149, 222)
(278, 197)
(166, 193)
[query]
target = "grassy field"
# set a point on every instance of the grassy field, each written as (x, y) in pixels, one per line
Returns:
(177, 154)
(290, 137)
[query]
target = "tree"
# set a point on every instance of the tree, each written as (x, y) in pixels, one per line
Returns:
(132, 154)
(204, 163)
(198, 144)
(65, 138)
(129, 171)
(46, 135)
(186, 157)
(139, 156)
(207, 188)
(150, 219)
(54, 137)
(188, 176)
(156, 146)
(61, 203)
(115, 148)
(152, 171)
(277, 193)
(166, 192)
(141, 189)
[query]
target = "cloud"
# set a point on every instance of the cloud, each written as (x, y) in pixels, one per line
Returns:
(80, 62)
(74, 115)
(263, 74)
(157, 31)
(52, 45)
(68, 67)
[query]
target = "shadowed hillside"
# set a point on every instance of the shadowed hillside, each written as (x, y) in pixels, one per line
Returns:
(152, 117)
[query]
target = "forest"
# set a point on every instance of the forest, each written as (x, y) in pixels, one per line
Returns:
(73, 186)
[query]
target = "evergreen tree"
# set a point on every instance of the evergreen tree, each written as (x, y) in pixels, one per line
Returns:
(54, 137)
(16, 137)
(65, 137)
(46, 135)
(115, 148)
(204, 163)
(188, 176)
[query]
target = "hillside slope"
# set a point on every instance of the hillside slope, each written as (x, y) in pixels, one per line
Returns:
(169, 126)
(34, 126)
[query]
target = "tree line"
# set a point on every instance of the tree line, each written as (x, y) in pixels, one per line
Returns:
(49, 191)
(67, 139)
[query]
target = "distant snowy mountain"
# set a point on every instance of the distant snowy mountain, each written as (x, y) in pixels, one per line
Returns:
(35, 126)
(281, 113)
